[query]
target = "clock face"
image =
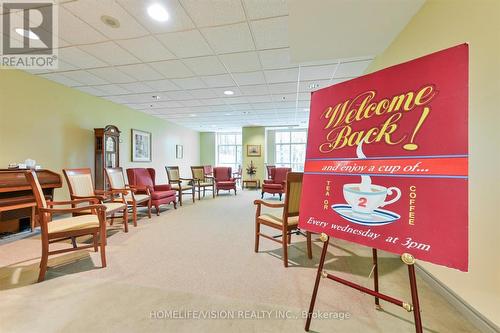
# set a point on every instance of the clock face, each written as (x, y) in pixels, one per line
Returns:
(110, 144)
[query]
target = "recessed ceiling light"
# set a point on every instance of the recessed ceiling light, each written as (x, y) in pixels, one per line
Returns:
(158, 13)
(228, 114)
(228, 92)
(27, 33)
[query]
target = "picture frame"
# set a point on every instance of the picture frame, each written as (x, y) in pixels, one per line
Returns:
(179, 151)
(141, 147)
(253, 150)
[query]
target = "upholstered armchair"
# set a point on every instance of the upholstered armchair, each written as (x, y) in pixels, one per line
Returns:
(224, 180)
(179, 184)
(277, 184)
(287, 220)
(81, 186)
(143, 179)
(202, 181)
(116, 181)
(92, 223)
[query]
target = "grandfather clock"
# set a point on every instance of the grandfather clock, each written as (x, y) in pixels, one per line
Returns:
(107, 153)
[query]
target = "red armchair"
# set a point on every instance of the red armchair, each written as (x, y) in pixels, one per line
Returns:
(224, 180)
(143, 179)
(278, 182)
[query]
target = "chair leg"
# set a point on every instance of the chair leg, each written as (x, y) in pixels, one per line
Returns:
(157, 210)
(134, 213)
(192, 193)
(175, 204)
(33, 218)
(149, 208)
(44, 259)
(96, 242)
(73, 242)
(257, 237)
(199, 198)
(234, 190)
(289, 238)
(111, 219)
(285, 250)
(203, 191)
(213, 192)
(125, 218)
(280, 196)
(309, 245)
(180, 197)
(102, 234)
(262, 195)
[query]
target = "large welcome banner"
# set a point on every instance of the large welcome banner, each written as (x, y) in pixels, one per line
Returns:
(387, 160)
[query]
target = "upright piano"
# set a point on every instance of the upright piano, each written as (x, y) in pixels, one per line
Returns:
(16, 196)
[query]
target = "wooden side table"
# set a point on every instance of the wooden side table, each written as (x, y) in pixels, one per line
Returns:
(251, 183)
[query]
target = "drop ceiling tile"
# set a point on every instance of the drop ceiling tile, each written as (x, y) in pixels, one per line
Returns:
(220, 108)
(209, 65)
(167, 104)
(241, 62)
(283, 88)
(75, 31)
(162, 85)
(284, 99)
(304, 96)
(179, 19)
(213, 101)
(257, 9)
(202, 93)
(112, 89)
(255, 90)
(91, 12)
(191, 103)
(85, 78)
(112, 75)
(140, 72)
(218, 81)
(214, 12)
(178, 95)
(271, 33)
(251, 78)
(146, 49)
(352, 69)
(140, 98)
(259, 99)
(78, 58)
(136, 87)
(324, 72)
(110, 53)
(282, 75)
(60, 78)
(263, 106)
(236, 100)
(241, 107)
(313, 85)
(189, 83)
(185, 44)
(91, 91)
(172, 69)
(274, 59)
(229, 38)
(116, 99)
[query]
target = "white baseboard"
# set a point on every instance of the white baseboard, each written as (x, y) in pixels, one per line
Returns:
(482, 323)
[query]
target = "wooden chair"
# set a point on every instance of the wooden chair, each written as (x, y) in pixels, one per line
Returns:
(81, 187)
(67, 228)
(178, 183)
(202, 181)
(289, 219)
(116, 181)
(224, 179)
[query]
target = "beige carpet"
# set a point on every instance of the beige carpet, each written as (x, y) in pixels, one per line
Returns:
(200, 258)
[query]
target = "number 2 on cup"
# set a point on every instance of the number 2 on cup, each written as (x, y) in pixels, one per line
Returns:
(362, 202)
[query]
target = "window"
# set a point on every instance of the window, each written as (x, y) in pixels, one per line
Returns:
(229, 150)
(291, 149)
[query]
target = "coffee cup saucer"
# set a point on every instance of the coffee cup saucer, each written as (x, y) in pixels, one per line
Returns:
(377, 218)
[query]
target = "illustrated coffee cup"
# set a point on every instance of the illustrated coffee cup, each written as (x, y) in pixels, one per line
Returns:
(363, 203)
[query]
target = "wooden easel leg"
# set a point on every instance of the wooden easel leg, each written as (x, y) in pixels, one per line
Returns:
(375, 277)
(325, 240)
(409, 260)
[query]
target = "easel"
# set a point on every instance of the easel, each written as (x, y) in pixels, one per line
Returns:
(407, 258)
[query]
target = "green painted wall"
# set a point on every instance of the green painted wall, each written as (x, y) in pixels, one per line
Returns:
(54, 125)
(207, 148)
(438, 25)
(254, 136)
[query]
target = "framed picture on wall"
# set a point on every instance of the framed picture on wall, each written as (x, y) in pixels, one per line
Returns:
(253, 150)
(179, 151)
(141, 146)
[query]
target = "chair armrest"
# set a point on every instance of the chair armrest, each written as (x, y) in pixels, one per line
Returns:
(72, 202)
(163, 187)
(268, 204)
(72, 210)
(268, 181)
(188, 179)
(141, 188)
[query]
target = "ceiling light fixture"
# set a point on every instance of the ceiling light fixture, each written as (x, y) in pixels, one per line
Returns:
(229, 92)
(27, 33)
(156, 97)
(158, 13)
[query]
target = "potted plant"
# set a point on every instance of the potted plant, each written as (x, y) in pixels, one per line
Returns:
(251, 170)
